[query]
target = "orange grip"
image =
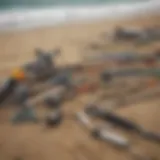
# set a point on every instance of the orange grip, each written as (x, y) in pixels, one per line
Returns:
(85, 88)
(18, 74)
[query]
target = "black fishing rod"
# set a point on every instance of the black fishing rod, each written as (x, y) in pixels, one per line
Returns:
(7, 88)
(105, 135)
(121, 122)
(108, 74)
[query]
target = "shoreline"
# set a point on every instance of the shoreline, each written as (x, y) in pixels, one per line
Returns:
(132, 19)
(49, 17)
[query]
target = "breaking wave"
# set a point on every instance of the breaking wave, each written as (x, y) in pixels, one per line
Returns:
(34, 17)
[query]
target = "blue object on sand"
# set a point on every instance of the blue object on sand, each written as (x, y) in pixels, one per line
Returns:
(25, 114)
(21, 94)
(64, 78)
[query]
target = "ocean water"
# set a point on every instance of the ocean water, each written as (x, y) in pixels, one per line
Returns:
(25, 14)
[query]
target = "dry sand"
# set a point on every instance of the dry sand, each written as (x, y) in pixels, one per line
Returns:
(69, 141)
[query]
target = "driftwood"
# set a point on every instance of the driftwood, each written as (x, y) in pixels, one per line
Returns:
(145, 35)
(121, 58)
(136, 72)
(146, 94)
(124, 88)
(127, 34)
(40, 97)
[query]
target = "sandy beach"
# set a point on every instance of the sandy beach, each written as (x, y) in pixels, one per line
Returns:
(70, 141)
(18, 47)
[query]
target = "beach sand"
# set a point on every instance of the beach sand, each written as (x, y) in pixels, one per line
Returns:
(69, 141)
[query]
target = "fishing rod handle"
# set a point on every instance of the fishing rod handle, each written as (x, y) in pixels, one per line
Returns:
(151, 136)
(113, 138)
(84, 120)
(120, 121)
(102, 134)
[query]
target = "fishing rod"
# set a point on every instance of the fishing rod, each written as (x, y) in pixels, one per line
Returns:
(131, 72)
(99, 133)
(121, 57)
(121, 122)
(110, 137)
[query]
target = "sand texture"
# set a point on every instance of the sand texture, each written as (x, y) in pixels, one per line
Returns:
(70, 141)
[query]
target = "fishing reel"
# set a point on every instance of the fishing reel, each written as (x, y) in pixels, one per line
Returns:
(54, 118)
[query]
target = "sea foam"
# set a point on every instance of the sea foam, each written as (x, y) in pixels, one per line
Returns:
(31, 18)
